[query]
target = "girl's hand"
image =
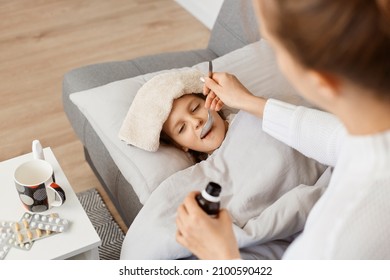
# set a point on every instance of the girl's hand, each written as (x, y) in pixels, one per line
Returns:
(206, 237)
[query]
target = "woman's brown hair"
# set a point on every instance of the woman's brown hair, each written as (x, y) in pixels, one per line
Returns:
(347, 38)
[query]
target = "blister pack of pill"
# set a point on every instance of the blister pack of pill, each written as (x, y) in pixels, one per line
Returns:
(10, 237)
(6, 227)
(4, 246)
(30, 228)
(50, 222)
(19, 238)
(5, 235)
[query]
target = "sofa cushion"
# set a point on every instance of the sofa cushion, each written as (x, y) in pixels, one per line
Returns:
(106, 107)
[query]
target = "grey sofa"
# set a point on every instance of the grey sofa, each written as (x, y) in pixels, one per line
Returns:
(235, 27)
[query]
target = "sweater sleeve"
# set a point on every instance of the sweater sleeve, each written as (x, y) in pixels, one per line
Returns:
(316, 134)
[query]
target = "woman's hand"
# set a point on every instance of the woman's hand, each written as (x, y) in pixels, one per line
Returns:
(206, 237)
(225, 88)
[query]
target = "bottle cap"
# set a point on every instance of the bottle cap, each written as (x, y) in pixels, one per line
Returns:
(213, 189)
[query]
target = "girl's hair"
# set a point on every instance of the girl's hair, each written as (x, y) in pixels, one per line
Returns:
(349, 38)
(195, 155)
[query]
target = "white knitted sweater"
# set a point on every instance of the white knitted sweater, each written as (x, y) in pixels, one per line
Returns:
(352, 218)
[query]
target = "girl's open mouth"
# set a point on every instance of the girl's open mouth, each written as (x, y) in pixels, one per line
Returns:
(207, 134)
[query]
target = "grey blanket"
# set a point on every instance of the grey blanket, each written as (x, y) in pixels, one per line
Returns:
(268, 188)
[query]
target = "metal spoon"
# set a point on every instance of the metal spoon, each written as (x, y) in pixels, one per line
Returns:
(210, 74)
(208, 125)
(210, 119)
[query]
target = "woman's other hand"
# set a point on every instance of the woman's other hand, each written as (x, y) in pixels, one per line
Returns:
(225, 88)
(206, 237)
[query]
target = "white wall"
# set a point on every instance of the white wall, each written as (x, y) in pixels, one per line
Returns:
(205, 11)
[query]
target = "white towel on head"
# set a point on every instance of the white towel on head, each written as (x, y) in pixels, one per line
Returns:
(152, 105)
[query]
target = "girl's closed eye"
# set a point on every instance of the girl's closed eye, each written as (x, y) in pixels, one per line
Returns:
(182, 128)
(195, 108)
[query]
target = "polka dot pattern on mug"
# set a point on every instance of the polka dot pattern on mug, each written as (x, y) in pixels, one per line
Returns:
(20, 188)
(40, 194)
(26, 199)
(34, 198)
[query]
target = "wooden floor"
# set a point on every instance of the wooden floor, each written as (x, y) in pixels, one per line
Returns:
(40, 40)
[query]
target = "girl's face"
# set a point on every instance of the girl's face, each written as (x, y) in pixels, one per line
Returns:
(186, 120)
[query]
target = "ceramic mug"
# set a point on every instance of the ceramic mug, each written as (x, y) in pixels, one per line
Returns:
(35, 183)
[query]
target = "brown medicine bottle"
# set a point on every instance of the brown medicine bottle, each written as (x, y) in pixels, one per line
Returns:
(209, 199)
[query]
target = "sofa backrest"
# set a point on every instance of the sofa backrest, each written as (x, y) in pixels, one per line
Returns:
(235, 27)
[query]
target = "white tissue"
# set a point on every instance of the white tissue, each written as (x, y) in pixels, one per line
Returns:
(37, 150)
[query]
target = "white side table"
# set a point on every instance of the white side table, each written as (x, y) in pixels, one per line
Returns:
(80, 241)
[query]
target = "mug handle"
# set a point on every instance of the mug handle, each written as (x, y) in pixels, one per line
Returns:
(59, 195)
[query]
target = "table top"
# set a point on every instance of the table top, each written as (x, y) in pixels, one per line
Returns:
(79, 238)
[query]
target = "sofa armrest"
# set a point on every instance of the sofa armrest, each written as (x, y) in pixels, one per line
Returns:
(95, 75)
